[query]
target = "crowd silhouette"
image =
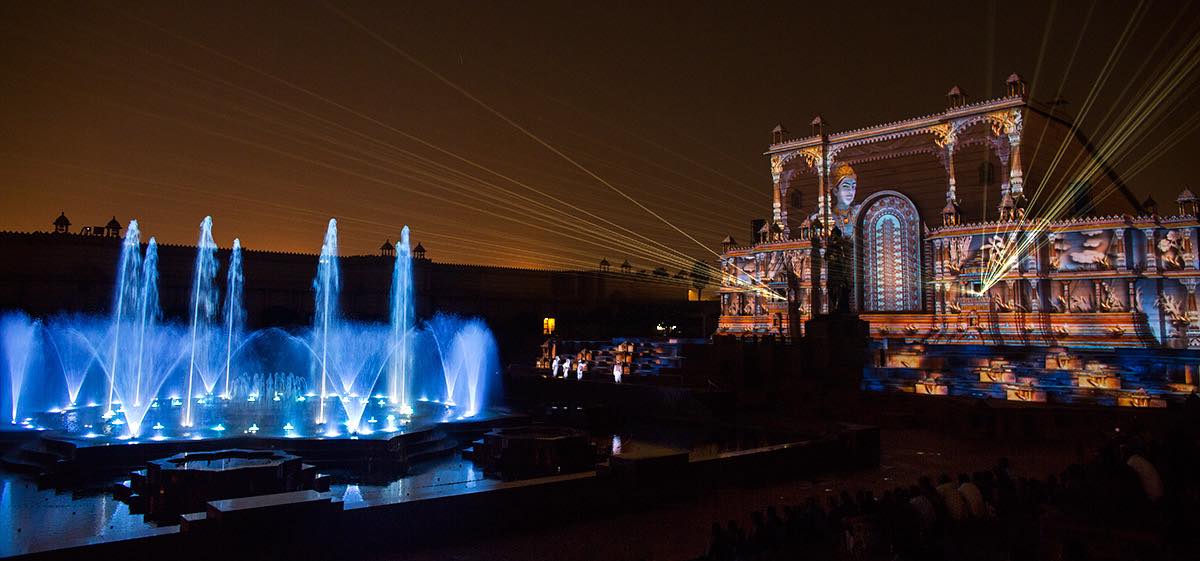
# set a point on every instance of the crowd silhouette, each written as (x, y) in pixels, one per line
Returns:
(1133, 498)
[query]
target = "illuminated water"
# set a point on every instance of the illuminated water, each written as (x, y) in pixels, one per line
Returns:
(135, 375)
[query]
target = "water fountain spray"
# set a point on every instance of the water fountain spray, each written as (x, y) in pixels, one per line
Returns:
(203, 302)
(402, 323)
(233, 307)
(128, 270)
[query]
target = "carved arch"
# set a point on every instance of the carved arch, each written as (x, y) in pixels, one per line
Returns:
(888, 254)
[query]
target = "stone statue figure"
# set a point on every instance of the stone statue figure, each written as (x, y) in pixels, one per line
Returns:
(838, 271)
(842, 207)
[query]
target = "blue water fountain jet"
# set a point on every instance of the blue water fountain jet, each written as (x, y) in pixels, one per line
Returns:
(400, 362)
(111, 375)
(473, 354)
(442, 329)
(326, 286)
(71, 338)
(234, 316)
(203, 305)
(124, 304)
(19, 335)
(148, 311)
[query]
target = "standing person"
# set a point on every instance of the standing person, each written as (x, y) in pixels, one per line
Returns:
(579, 370)
(617, 372)
(554, 367)
(566, 368)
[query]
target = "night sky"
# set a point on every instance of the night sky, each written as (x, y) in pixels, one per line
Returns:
(275, 116)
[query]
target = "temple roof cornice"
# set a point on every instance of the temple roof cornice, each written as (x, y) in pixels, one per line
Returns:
(898, 129)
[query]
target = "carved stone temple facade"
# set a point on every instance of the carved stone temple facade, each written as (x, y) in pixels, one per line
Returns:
(994, 223)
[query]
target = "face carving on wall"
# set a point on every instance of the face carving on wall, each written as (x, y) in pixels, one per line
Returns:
(846, 191)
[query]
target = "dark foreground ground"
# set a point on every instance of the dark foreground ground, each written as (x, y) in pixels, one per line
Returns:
(679, 529)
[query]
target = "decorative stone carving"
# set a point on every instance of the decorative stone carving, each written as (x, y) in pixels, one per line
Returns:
(1171, 249)
(959, 249)
(1108, 301)
(891, 255)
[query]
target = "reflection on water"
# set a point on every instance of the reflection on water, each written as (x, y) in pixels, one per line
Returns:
(33, 519)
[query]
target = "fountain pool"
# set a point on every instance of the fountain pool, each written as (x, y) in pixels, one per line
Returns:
(134, 375)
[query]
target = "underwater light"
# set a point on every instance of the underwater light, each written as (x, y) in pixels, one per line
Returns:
(406, 409)
(253, 428)
(158, 426)
(219, 428)
(288, 427)
(299, 399)
(55, 410)
(90, 435)
(117, 421)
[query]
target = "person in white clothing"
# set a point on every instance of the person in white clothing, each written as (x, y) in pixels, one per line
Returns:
(617, 372)
(566, 368)
(579, 370)
(554, 368)
(956, 507)
(974, 497)
(1152, 483)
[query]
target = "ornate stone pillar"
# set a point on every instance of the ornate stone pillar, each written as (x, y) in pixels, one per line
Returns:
(1051, 237)
(937, 258)
(1002, 152)
(779, 194)
(939, 299)
(1189, 248)
(1035, 296)
(1014, 298)
(951, 183)
(1134, 305)
(1119, 248)
(1151, 250)
(1016, 177)
(1189, 303)
(1096, 295)
(824, 197)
